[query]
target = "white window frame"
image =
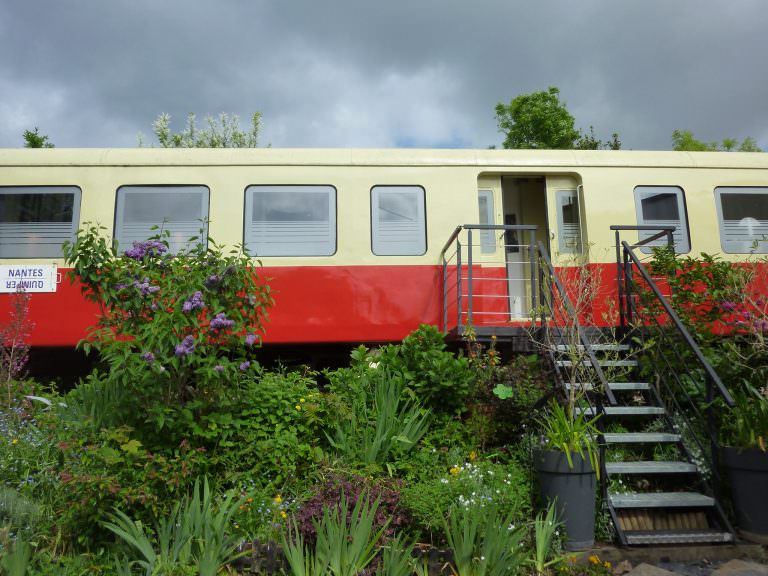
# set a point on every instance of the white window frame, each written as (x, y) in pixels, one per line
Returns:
(384, 237)
(182, 233)
(29, 240)
(487, 237)
(681, 236)
(756, 242)
(290, 238)
(569, 240)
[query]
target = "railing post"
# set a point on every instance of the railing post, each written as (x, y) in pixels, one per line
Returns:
(714, 447)
(627, 288)
(621, 294)
(445, 295)
(458, 284)
(533, 259)
(469, 277)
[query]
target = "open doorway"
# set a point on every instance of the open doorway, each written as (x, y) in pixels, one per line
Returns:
(524, 201)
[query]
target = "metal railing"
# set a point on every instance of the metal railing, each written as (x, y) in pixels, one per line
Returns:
(686, 382)
(488, 276)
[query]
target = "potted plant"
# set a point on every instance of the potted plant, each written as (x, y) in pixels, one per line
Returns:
(567, 468)
(744, 432)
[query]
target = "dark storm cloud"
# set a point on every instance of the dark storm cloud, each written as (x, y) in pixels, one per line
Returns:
(352, 73)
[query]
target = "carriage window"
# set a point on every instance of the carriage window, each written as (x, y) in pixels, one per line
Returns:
(568, 221)
(663, 206)
(398, 221)
(487, 237)
(36, 220)
(290, 220)
(743, 217)
(146, 211)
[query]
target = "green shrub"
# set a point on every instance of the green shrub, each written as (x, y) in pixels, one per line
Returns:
(506, 487)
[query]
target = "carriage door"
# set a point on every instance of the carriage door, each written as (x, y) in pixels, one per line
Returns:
(524, 204)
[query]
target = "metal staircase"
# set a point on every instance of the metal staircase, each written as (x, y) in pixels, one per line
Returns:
(658, 446)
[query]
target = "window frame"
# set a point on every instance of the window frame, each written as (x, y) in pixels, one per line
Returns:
(333, 216)
(203, 220)
(77, 194)
(719, 191)
(423, 207)
(487, 237)
(685, 232)
(563, 248)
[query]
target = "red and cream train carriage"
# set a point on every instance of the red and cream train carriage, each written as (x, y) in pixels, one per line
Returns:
(354, 241)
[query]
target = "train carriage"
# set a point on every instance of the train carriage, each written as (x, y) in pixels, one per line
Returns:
(365, 245)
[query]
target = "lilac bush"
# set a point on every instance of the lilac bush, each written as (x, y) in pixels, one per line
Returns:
(172, 327)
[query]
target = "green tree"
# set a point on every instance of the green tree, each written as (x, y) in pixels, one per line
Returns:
(537, 120)
(221, 132)
(685, 141)
(541, 120)
(33, 139)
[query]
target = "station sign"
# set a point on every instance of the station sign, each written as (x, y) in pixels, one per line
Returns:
(28, 277)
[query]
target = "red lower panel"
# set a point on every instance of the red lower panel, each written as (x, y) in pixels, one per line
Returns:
(312, 304)
(351, 304)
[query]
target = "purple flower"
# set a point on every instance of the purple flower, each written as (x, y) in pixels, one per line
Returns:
(218, 368)
(250, 339)
(194, 303)
(728, 306)
(141, 250)
(221, 322)
(187, 346)
(148, 357)
(212, 280)
(245, 365)
(761, 325)
(144, 287)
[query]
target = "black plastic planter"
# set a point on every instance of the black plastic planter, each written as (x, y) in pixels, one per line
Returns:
(572, 490)
(747, 471)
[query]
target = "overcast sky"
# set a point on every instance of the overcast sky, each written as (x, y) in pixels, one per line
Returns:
(426, 73)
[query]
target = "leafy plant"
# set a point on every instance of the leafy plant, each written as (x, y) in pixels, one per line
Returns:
(383, 427)
(337, 491)
(571, 433)
(506, 486)
(441, 380)
(545, 528)
(194, 535)
(483, 542)
(343, 547)
(172, 327)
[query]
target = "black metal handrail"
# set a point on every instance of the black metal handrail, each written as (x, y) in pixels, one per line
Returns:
(674, 348)
(547, 296)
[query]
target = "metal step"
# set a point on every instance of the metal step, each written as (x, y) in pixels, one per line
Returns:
(640, 437)
(638, 537)
(614, 386)
(603, 363)
(594, 347)
(661, 500)
(624, 411)
(650, 467)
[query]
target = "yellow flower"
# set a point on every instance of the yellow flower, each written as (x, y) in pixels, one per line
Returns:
(283, 514)
(454, 470)
(302, 400)
(607, 564)
(15, 441)
(298, 406)
(278, 499)
(472, 456)
(594, 559)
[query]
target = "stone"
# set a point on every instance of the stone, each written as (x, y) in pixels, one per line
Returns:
(621, 568)
(741, 568)
(649, 570)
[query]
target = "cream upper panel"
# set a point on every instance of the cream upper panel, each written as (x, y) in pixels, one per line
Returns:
(450, 197)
